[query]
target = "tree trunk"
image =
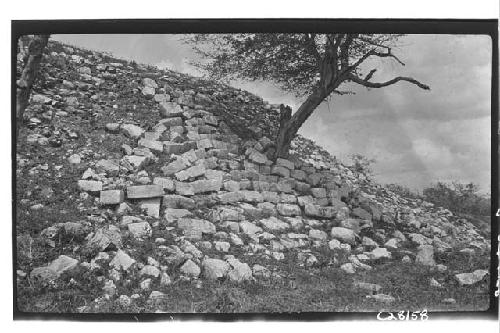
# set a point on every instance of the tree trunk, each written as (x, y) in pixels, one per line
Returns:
(28, 75)
(289, 126)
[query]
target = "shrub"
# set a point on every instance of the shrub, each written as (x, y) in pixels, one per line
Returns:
(458, 198)
(362, 164)
(403, 191)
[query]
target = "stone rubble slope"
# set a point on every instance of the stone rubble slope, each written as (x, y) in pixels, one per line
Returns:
(197, 185)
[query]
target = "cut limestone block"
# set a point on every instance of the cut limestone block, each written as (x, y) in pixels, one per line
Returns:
(135, 160)
(153, 145)
(190, 173)
(111, 197)
(167, 183)
(207, 185)
(285, 163)
(169, 122)
(175, 166)
(170, 109)
(90, 185)
(173, 214)
(312, 210)
(151, 206)
(178, 201)
(144, 191)
(132, 131)
(111, 167)
(182, 188)
(195, 228)
(139, 229)
(174, 147)
(343, 234)
(289, 209)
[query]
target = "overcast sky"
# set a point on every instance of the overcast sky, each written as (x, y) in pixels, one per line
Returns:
(417, 137)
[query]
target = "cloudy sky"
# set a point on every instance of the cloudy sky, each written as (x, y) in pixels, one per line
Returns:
(416, 137)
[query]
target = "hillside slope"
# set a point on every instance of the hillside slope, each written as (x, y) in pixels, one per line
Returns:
(150, 186)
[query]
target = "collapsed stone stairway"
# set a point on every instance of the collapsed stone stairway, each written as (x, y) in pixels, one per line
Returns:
(208, 200)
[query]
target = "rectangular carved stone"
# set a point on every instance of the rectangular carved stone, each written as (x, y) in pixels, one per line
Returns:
(192, 172)
(153, 145)
(167, 183)
(174, 121)
(174, 148)
(90, 185)
(178, 201)
(111, 197)
(285, 163)
(144, 191)
(208, 185)
(151, 206)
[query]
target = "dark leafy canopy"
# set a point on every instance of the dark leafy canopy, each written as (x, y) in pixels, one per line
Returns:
(298, 63)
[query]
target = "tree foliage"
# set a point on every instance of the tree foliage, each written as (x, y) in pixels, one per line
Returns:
(298, 63)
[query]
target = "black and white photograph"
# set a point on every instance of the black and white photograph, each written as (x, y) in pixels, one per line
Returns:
(300, 167)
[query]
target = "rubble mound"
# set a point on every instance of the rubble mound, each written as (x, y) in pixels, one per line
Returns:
(176, 183)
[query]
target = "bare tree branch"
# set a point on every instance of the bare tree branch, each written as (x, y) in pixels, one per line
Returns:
(371, 42)
(369, 76)
(341, 92)
(368, 84)
(374, 53)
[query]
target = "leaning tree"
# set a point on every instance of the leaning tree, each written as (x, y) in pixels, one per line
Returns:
(31, 62)
(312, 66)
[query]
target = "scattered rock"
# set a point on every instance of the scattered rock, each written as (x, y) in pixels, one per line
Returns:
(54, 269)
(151, 206)
(90, 185)
(272, 224)
(318, 234)
(289, 210)
(382, 298)
(425, 255)
(190, 269)
(240, 271)
(111, 197)
(105, 239)
(214, 269)
(75, 159)
(144, 191)
(139, 229)
(194, 228)
(344, 235)
(370, 287)
(132, 131)
(348, 268)
(113, 127)
(379, 253)
(467, 279)
(149, 270)
(449, 301)
(121, 261)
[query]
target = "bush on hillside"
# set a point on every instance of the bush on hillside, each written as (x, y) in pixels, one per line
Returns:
(362, 164)
(458, 198)
(403, 191)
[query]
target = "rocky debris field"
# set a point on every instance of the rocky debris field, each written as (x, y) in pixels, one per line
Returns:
(132, 180)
